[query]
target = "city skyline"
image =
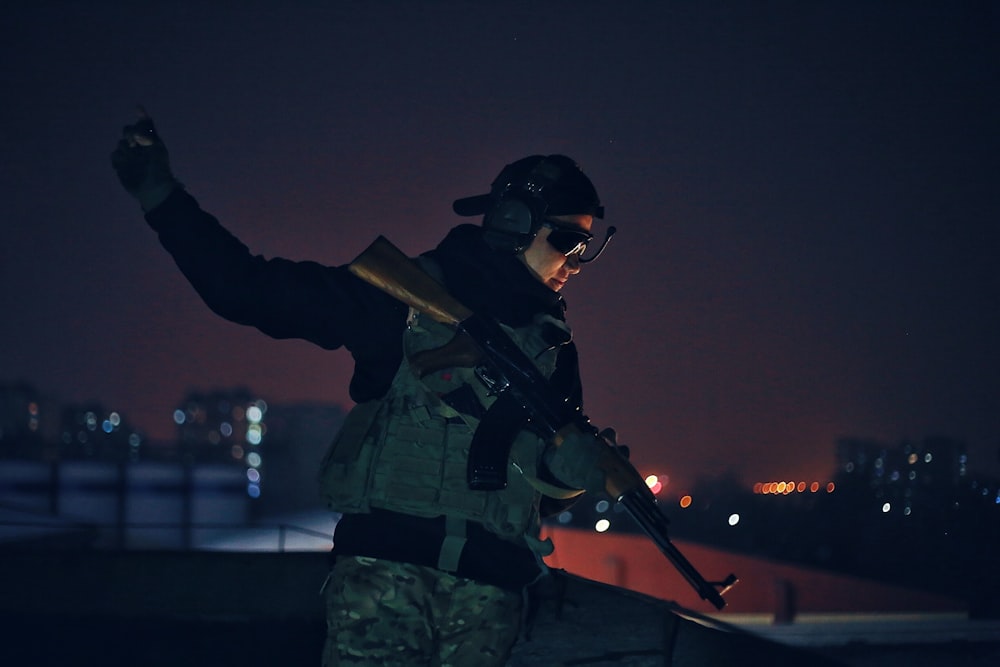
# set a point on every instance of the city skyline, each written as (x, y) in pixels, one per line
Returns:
(317, 421)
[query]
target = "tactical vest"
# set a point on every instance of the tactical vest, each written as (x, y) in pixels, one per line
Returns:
(408, 451)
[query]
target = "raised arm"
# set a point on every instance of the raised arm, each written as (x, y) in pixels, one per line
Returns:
(325, 305)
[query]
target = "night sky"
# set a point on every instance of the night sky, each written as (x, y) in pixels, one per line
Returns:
(806, 197)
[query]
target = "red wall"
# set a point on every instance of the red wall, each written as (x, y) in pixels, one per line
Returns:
(634, 562)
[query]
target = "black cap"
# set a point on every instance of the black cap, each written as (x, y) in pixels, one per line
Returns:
(556, 180)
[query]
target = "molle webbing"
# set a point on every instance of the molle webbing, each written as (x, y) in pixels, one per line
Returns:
(422, 462)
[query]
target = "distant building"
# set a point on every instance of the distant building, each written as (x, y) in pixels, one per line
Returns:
(224, 426)
(299, 434)
(280, 446)
(905, 477)
(36, 427)
(93, 431)
(29, 422)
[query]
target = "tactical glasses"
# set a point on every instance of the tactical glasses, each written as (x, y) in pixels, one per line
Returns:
(567, 240)
(573, 241)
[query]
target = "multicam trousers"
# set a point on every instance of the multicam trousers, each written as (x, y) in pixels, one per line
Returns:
(386, 613)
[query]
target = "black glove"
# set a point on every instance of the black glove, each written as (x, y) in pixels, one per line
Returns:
(142, 163)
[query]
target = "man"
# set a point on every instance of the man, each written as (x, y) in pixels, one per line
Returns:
(428, 569)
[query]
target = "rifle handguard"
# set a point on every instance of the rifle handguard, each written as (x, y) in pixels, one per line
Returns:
(620, 477)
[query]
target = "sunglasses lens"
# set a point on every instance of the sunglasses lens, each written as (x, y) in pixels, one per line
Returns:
(568, 241)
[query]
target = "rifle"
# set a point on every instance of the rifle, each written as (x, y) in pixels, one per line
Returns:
(480, 341)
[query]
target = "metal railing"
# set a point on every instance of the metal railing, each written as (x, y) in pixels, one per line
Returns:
(59, 532)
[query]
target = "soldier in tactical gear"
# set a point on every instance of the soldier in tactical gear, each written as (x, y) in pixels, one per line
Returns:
(430, 565)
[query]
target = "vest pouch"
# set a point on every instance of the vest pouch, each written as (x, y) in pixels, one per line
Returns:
(421, 468)
(512, 512)
(346, 466)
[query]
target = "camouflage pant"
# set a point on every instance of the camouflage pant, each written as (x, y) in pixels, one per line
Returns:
(386, 613)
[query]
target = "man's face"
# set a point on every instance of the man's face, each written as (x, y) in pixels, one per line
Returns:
(549, 265)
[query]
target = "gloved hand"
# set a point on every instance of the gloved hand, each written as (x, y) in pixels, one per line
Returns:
(142, 163)
(582, 459)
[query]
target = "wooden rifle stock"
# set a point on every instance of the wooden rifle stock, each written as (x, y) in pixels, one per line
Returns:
(386, 267)
(479, 339)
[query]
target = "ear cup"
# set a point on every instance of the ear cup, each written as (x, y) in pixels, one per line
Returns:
(513, 216)
(520, 209)
(510, 226)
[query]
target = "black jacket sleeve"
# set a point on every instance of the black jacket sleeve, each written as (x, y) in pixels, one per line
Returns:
(325, 305)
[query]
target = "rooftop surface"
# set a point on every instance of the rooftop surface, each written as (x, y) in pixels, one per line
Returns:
(251, 598)
(249, 609)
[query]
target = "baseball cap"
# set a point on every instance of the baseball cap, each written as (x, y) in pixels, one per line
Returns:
(555, 180)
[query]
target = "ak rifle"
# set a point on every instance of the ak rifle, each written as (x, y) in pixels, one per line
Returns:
(481, 342)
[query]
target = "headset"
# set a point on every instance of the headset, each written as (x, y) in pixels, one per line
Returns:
(519, 208)
(525, 196)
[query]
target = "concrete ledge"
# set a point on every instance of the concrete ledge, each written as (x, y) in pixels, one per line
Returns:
(582, 622)
(200, 584)
(212, 608)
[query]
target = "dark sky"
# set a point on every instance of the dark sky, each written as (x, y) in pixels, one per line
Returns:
(806, 197)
